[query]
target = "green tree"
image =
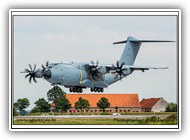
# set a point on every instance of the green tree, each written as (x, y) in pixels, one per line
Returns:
(54, 93)
(57, 95)
(42, 105)
(21, 104)
(14, 111)
(103, 103)
(35, 110)
(62, 103)
(172, 107)
(82, 104)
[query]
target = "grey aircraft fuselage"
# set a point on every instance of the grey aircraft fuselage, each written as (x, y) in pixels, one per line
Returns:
(77, 76)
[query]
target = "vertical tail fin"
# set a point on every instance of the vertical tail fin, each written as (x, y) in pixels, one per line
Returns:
(131, 49)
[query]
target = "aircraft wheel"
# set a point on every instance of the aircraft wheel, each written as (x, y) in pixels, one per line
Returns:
(81, 90)
(102, 89)
(77, 90)
(91, 89)
(98, 89)
(55, 87)
(95, 89)
(74, 89)
(70, 90)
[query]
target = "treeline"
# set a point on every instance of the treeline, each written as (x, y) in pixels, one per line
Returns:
(62, 104)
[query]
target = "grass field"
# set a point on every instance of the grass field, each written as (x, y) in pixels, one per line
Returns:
(105, 113)
(171, 120)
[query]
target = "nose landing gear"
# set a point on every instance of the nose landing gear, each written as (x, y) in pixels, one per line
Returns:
(55, 87)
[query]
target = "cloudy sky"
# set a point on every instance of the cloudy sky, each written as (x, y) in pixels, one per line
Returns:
(38, 39)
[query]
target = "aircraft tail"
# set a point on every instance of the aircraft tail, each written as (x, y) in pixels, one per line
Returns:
(131, 49)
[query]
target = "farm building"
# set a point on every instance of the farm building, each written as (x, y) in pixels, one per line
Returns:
(153, 105)
(118, 102)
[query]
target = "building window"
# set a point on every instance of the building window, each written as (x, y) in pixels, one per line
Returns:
(95, 110)
(120, 110)
(70, 110)
(91, 110)
(110, 111)
(128, 110)
(77, 110)
(86, 110)
(116, 110)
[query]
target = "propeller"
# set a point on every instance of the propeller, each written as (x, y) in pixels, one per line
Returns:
(43, 67)
(45, 70)
(31, 73)
(94, 70)
(119, 70)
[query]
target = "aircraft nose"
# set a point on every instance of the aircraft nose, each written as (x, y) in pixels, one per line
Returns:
(47, 74)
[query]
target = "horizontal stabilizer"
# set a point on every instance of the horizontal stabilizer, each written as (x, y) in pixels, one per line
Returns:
(146, 68)
(142, 41)
(120, 42)
(136, 41)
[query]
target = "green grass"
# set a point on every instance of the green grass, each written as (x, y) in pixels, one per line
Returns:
(105, 113)
(171, 120)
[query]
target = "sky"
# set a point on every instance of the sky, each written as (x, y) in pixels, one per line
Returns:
(38, 39)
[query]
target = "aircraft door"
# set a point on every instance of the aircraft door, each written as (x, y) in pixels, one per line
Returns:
(66, 78)
(71, 77)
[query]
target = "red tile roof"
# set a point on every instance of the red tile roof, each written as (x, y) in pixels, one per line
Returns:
(52, 104)
(149, 103)
(119, 100)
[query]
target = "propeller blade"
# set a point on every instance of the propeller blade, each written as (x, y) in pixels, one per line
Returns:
(99, 67)
(47, 63)
(26, 70)
(121, 66)
(34, 79)
(92, 62)
(123, 70)
(23, 72)
(43, 67)
(117, 64)
(30, 67)
(30, 79)
(27, 75)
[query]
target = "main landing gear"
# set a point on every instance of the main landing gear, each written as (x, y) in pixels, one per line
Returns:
(76, 89)
(80, 90)
(96, 89)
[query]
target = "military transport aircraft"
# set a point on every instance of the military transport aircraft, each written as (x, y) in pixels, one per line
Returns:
(95, 76)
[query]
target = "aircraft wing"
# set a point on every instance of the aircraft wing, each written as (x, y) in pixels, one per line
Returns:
(145, 68)
(107, 68)
(103, 68)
